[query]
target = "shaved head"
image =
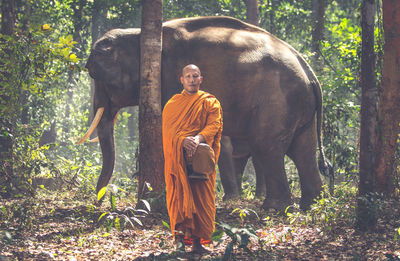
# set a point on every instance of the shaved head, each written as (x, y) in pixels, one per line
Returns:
(190, 67)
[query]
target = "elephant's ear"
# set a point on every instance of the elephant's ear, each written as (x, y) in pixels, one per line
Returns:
(106, 49)
(104, 46)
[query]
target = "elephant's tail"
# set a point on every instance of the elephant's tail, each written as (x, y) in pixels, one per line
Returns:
(325, 167)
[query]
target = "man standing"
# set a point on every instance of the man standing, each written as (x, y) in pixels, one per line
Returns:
(190, 118)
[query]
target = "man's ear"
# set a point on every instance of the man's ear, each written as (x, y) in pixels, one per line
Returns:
(181, 78)
(201, 79)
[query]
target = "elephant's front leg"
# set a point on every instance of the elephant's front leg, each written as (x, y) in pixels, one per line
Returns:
(270, 162)
(227, 170)
(240, 155)
(260, 179)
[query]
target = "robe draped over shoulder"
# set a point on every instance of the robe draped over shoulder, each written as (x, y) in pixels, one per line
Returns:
(190, 204)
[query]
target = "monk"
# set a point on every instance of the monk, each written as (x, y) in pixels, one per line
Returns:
(190, 118)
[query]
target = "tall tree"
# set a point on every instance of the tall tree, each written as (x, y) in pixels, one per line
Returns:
(8, 14)
(150, 140)
(389, 100)
(317, 31)
(252, 11)
(8, 17)
(366, 217)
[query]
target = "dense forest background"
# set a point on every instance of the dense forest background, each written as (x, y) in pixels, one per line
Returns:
(46, 95)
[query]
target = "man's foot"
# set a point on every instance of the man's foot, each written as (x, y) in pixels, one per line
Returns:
(197, 248)
(180, 243)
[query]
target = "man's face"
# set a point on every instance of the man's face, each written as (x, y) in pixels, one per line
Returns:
(191, 80)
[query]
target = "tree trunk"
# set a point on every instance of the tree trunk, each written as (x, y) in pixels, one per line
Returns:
(366, 216)
(252, 11)
(319, 22)
(389, 100)
(151, 167)
(8, 15)
(24, 93)
(98, 28)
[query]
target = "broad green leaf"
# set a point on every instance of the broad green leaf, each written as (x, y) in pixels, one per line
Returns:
(101, 193)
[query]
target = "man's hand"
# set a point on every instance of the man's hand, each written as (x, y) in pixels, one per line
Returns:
(190, 144)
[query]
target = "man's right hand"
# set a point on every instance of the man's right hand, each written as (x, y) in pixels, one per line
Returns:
(190, 145)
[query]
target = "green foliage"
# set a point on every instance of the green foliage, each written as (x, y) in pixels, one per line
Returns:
(339, 80)
(289, 20)
(248, 190)
(18, 216)
(243, 213)
(120, 218)
(239, 236)
(191, 8)
(327, 209)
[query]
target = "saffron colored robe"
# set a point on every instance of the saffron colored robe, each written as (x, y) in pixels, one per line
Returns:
(190, 203)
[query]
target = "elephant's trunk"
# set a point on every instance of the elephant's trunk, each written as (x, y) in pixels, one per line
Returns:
(106, 137)
(93, 126)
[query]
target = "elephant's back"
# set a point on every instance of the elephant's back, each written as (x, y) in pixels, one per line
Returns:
(217, 32)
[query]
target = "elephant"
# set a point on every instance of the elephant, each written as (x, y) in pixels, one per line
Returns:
(234, 156)
(270, 97)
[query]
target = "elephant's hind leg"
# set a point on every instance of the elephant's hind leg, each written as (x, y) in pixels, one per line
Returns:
(303, 153)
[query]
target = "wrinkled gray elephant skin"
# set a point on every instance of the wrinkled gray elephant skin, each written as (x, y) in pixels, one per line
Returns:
(270, 97)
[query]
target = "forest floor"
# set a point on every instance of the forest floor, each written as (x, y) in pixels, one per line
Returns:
(62, 226)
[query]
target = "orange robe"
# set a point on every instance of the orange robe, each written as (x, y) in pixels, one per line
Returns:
(191, 204)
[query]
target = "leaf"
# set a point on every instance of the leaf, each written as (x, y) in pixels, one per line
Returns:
(102, 215)
(137, 221)
(166, 224)
(146, 203)
(142, 211)
(112, 201)
(117, 223)
(45, 27)
(127, 219)
(217, 235)
(101, 193)
(3, 208)
(236, 209)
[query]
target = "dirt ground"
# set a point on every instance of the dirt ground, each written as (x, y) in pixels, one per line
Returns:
(61, 226)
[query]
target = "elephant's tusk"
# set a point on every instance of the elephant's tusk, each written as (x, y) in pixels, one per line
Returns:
(94, 140)
(97, 138)
(93, 126)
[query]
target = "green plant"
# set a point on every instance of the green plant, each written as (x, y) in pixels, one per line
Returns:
(119, 218)
(239, 236)
(248, 190)
(328, 209)
(243, 213)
